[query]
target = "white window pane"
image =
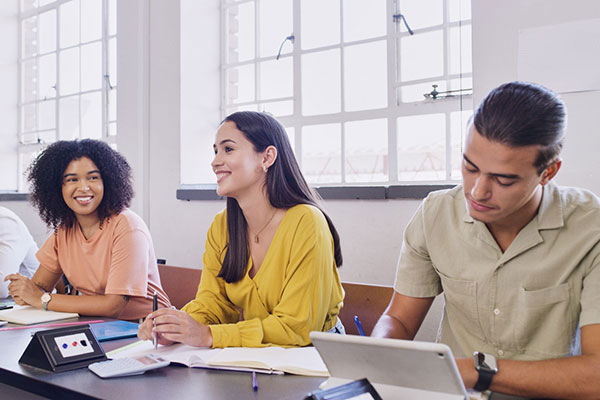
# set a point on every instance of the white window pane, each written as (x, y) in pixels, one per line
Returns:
(112, 17)
(69, 71)
(412, 93)
(47, 114)
(361, 61)
(422, 147)
(47, 136)
(47, 31)
(460, 50)
(363, 20)
(91, 13)
(278, 108)
(69, 118)
(458, 129)
(421, 14)
(320, 23)
(291, 133)
(466, 82)
(29, 118)
(276, 78)
(28, 4)
(275, 25)
(47, 76)
(240, 84)
(112, 105)
(29, 80)
(112, 61)
(29, 31)
(321, 82)
(69, 24)
(44, 2)
(91, 115)
(322, 153)
(422, 56)
(112, 129)
(366, 151)
(459, 10)
(240, 32)
(91, 67)
(28, 138)
(247, 107)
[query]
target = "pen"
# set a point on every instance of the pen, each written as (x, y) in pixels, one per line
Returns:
(254, 382)
(361, 332)
(154, 308)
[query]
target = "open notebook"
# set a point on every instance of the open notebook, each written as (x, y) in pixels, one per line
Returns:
(27, 315)
(298, 361)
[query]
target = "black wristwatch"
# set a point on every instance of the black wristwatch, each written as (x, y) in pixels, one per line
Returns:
(486, 366)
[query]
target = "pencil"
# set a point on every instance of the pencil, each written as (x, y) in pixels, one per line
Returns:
(154, 308)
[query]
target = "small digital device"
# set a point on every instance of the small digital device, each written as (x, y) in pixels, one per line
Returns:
(63, 349)
(127, 366)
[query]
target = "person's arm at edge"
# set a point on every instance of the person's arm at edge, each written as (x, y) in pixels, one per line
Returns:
(575, 377)
(403, 317)
(44, 280)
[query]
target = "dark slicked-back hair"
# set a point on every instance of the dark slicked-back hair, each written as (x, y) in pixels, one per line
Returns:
(46, 177)
(520, 114)
(285, 185)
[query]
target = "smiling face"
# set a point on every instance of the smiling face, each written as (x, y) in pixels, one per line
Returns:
(237, 165)
(501, 184)
(82, 187)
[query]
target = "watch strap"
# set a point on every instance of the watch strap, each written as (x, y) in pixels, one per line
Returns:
(484, 381)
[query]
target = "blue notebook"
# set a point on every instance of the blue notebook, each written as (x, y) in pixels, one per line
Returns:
(114, 330)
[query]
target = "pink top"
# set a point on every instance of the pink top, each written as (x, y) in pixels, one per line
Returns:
(117, 259)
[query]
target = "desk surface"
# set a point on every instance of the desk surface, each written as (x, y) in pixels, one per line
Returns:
(173, 382)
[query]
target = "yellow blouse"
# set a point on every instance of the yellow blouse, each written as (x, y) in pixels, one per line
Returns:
(296, 290)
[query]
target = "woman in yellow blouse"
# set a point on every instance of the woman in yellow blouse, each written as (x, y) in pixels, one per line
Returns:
(270, 263)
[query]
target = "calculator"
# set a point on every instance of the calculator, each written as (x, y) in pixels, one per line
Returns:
(127, 366)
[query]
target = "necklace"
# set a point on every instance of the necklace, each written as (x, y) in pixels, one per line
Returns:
(262, 229)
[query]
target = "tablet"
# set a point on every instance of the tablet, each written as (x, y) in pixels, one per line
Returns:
(402, 365)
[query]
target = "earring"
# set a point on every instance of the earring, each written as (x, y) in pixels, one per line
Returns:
(265, 168)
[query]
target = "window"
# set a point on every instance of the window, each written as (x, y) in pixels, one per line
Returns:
(348, 79)
(68, 74)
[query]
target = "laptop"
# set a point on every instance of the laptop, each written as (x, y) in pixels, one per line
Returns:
(398, 369)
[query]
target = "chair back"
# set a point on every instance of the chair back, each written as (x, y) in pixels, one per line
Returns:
(180, 283)
(368, 302)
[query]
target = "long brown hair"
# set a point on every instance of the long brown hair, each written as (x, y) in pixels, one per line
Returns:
(286, 187)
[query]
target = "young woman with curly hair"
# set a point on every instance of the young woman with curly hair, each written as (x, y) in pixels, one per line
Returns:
(82, 190)
(270, 266)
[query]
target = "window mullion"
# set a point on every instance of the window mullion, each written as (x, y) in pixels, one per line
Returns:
(343, 95)
(297, 66)
(392, 68)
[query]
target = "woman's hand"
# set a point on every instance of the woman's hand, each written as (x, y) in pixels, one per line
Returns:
(175, 326)
(24, 291)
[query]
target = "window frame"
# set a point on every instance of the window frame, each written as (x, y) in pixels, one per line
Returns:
(25, 149)
(395, 108)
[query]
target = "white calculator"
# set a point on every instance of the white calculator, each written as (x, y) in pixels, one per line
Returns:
(127, 366)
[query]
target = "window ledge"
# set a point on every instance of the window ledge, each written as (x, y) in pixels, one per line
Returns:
(13, 196)
(208, 192)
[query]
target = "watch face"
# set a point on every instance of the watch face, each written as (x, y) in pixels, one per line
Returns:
(485, 362)
(46, 297)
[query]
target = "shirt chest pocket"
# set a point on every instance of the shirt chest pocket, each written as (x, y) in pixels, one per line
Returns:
(545, 321)
(461, 306)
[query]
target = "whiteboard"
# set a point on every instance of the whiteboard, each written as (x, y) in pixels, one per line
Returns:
(564, 58)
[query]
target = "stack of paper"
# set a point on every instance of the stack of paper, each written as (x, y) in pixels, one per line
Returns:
(27, 315)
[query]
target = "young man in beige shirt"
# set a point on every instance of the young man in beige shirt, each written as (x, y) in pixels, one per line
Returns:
(517, 257)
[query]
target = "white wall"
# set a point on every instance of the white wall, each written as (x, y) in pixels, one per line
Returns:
(9, 93)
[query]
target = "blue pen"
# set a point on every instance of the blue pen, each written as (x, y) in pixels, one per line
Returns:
(361, 332)
(254, 382)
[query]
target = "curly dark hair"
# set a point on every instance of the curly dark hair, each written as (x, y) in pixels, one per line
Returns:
(46, 177)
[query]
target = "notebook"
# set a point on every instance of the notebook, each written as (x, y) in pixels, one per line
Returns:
(27, 315)
(398, 369)
(114, 330)
(270, 360)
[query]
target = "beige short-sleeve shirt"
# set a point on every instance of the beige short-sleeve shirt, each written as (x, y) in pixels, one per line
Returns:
(522, 304)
